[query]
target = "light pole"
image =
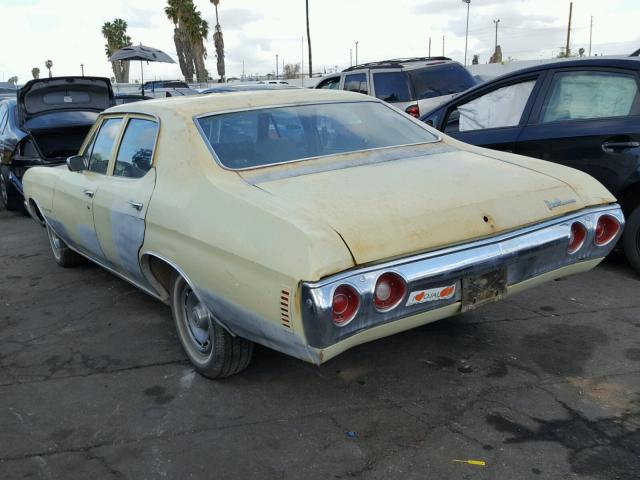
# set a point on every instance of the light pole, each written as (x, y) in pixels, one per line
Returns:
(357, 52)
(466, 37)
(82, 68)
(496, 45)
(276, 66)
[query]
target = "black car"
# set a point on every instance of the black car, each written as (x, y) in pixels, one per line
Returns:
(582, 113)
(45, 123)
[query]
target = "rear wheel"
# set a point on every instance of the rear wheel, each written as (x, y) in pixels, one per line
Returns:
(11, 198)
(631, 239)
(212, 350)
(62, 254)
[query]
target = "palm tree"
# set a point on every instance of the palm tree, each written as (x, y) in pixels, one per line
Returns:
(49, 64)
(176, 11)
(196, 29)
(309, 41)
(35, 72)
(218, 41)
(13, 80)
(116, 34)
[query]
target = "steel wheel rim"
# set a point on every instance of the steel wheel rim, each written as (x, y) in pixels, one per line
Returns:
(196, 320)
(56, 243)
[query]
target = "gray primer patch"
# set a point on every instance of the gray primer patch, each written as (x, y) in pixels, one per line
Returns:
(127, 233)
(89, 242)
(246, 324)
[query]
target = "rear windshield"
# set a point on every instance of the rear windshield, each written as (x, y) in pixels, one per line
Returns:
(258, 138)
(438, 80)
(392, 86)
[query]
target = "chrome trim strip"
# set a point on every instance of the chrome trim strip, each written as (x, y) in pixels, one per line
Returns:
(464, 246)
(195, 119)
(521, 254)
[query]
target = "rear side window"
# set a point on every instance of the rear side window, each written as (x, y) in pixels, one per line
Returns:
(439, 80)
(136, 149)
(392, 86)
(584, 95)
(356, 83)
(103, 145)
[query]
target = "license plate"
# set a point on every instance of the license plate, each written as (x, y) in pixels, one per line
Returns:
(482, 289)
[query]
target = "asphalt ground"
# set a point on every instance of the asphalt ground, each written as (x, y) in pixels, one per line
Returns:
(94, 385)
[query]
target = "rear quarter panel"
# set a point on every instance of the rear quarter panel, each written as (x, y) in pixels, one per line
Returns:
(39, 185)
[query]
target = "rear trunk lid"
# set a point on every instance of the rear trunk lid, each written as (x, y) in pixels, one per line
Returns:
(409, 205)
(63, 94)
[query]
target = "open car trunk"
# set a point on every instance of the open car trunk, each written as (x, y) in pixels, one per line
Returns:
(57, 113)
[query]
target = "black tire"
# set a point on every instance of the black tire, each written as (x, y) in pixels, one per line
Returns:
(631, 239)
(11, 198)
(62, 254)
(211, 349)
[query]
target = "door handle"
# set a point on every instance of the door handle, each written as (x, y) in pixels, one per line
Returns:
(136, 205)
(88, 193)
(611, 147)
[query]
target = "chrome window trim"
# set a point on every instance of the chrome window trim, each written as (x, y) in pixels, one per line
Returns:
(195, 118)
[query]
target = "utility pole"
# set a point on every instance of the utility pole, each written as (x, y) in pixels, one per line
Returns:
(466, 36)
(351, 57)
(302, 65)
(429, 46)
(276, 66)
(590, 34)
(443, 45)
(82, 67)
(567, 50)
(496, 45)
(357, 52)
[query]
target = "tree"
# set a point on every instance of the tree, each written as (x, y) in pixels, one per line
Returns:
(188, 33)
(35, 72)
(116, 34)
(49, 65)
(218, 42)
(309, 41)
(291, 70)
(13, 80)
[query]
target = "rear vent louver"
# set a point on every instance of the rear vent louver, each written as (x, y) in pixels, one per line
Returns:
(285, 317)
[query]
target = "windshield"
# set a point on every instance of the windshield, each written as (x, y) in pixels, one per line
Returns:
(258, 138)
(439, 80)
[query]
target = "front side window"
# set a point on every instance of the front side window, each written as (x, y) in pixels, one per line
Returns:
(356, 83)
(392, 86)
(499, 108)
(438, 80)
(135, 153)
(264, 137)
(584, 95)
(103, 145)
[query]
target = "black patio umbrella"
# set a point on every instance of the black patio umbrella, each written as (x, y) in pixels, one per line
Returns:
(142, 53)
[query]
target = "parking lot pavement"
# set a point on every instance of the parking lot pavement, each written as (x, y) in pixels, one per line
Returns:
(93, 384)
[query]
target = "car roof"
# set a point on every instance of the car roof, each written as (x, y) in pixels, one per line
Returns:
(190, 106)
(402, 63)
(607, 62)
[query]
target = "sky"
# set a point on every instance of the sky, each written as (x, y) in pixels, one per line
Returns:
(69, 32)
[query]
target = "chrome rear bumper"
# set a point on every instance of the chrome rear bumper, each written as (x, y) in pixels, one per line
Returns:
(519, 255)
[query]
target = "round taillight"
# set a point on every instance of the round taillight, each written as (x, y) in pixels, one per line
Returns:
(606, 229)
(345, 304)
(577, 237)
(389, 291)
(413, 110)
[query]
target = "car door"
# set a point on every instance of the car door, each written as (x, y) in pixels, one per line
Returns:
(493, 117)
(588, 118)
(121, 201)
(75, 191)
